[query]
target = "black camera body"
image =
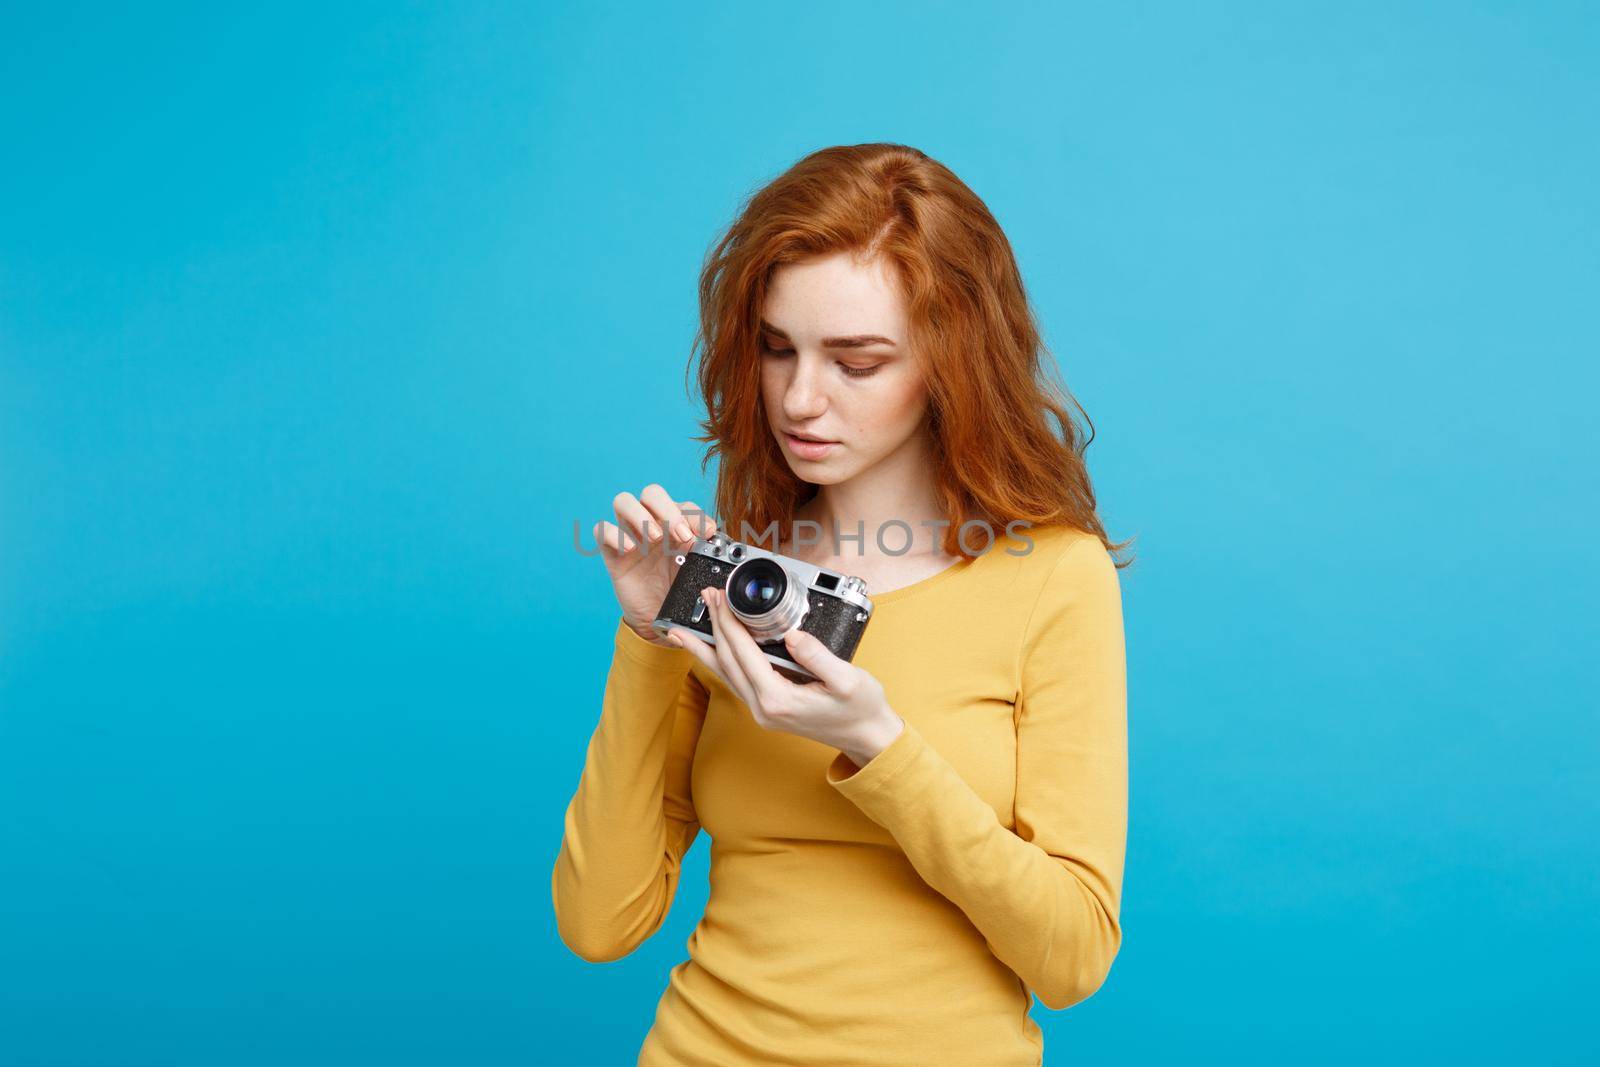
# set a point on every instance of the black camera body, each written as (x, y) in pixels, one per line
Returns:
(771, 594)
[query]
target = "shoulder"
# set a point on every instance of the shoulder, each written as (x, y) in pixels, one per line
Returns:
(1045, 550)
(1068, 569)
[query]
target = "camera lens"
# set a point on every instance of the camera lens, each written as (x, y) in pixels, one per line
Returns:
(767, 599)
(760, 590)
(757, 586)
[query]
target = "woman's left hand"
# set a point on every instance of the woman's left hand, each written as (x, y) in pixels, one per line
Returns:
(845, 708)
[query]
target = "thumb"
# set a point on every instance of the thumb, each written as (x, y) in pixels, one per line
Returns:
(817, 658)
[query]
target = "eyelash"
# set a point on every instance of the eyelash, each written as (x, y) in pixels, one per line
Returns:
(850, 372)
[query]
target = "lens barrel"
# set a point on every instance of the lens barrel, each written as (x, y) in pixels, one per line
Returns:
(766, 598)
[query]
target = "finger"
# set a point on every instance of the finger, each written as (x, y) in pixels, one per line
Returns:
(688, 639)
(703, 652)
(612, 539)
(666, 512)
(724, 652)
(816, 657)
(637, 518)
(701, 523)
(770, 687)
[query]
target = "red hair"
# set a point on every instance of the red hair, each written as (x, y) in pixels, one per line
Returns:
(992, 398)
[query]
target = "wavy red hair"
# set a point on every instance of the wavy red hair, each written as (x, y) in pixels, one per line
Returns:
(1007, 447)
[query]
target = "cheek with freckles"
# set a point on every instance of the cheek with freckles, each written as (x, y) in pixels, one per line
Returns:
(884, 417)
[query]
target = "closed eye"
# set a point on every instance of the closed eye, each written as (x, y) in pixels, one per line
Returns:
(850, 372)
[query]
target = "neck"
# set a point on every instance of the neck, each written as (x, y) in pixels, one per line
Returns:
(898, 487)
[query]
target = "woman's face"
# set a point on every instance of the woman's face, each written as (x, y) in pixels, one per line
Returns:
(835, 366)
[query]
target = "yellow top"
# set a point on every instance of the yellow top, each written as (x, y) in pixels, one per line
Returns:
(897, 913)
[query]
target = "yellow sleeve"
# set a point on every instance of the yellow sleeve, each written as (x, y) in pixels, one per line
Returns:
(632, 817)
(1046, 897)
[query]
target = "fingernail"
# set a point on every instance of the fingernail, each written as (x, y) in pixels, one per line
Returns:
(683, 531)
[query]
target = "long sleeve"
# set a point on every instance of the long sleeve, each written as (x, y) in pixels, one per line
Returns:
(1046, 897)
(632, 817)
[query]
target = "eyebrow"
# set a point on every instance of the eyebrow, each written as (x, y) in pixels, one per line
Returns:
(860, 340)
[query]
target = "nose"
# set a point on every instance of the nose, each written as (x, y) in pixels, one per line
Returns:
(803, 397)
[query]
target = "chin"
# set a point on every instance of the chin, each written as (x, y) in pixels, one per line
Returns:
(822, 473)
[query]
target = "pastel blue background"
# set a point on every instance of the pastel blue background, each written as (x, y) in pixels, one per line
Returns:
(320, 326)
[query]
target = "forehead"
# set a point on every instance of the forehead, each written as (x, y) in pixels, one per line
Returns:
(836, 294)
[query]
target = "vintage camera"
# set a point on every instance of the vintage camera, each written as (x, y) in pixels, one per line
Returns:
(771, 594)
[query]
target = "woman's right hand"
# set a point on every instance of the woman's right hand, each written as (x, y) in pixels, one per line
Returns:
(640, 552)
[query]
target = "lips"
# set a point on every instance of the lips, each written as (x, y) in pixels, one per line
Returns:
(808, 450)
(809, 437)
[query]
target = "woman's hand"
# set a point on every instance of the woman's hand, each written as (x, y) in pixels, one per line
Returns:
(845, 709)
(640, 551)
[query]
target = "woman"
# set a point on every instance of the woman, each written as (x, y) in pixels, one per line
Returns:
(905, 848)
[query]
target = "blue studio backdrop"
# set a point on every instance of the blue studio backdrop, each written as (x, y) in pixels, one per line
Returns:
(321, 326)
